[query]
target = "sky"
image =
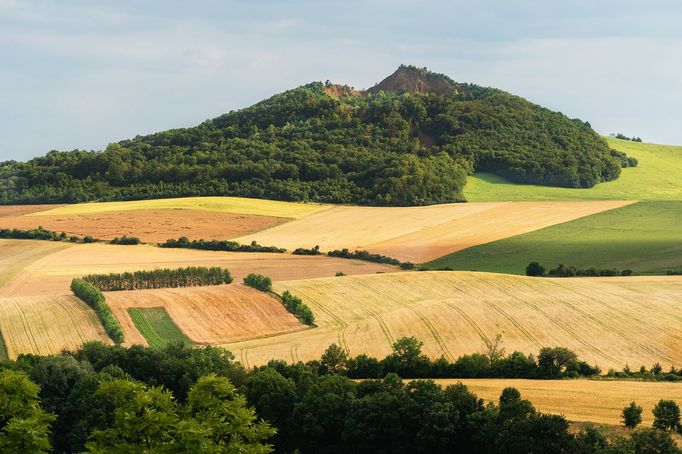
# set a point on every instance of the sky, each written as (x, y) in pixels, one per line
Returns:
(83, 74)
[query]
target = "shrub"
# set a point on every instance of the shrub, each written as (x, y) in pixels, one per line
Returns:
(303, 251)
(535, 269)
(94, 298)
(666, 415)
(258, 281)
(126, 240)
(632, 415)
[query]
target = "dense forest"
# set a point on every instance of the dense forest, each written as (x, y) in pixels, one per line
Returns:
(390, 145)
(182, 399)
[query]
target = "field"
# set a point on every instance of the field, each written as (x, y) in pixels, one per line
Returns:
(607, 321)
(152, 226)
(156, 326)
(237, 205)
(657, 177)
(47, 325)
(420, 234)
(206, 315)
(580, 400)
(49, 271)
(644, 237)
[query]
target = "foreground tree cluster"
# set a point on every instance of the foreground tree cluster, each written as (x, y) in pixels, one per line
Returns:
(181, 399)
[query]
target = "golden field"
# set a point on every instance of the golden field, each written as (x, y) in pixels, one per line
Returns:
(208, 315)
(46, 268)
(47, 325)
(594, 401)
(422, 234)
(637, 320)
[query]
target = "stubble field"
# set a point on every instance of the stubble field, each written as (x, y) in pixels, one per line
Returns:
(606, 322)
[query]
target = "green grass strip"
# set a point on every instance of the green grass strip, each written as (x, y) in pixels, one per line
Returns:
(156, 326)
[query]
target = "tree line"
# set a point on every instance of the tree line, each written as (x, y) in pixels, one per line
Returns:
(305, 145)
(219, 245)
(94, 298)
(43, 234)
(369, 257)
(292, 303)
(535, 269)
(180, 399)
(161, 278)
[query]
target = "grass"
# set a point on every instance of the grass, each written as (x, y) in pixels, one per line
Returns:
(645, 237)
(156, 326)
(580, 400)
(607, 322)
(238, 205)
(657, 177)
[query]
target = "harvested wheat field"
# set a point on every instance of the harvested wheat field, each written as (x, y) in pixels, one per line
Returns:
(16, 255)
(608, 323)
(51, 273)
(422, 234)
(47, 325)
(151, 226)
(580, 400)
(208, 315)
(237, 205)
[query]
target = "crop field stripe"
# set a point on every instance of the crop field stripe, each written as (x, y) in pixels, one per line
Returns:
(156, 326)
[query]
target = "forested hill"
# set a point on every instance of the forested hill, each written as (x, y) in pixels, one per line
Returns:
(410, 140)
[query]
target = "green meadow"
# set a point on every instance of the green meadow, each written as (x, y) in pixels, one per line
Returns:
(657, 177)
(645, 237)
(156, 326)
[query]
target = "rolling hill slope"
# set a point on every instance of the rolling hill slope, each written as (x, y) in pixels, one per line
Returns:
(608, 321)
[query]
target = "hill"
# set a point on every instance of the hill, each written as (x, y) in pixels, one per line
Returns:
(605, 320)
(410, 140)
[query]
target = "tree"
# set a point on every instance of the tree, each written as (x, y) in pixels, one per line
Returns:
(24, 426)
(552, 362)
(632, 415)
(407, 358)
(649, 441)
(535, 269)
(334, 360)
(494, 350)
(666, 415)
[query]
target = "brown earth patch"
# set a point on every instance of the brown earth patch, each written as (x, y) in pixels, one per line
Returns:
(154, 226)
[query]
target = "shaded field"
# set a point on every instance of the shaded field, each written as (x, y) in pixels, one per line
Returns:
(50, 273)
(47, 325)
(238, 205)
(607, 322)
(156, 326)
(645, 237)
(657, 177)
(580, 400)
(420, 234)
(152, 225)
(206, 315)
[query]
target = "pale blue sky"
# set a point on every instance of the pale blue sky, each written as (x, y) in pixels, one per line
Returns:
(81, 74)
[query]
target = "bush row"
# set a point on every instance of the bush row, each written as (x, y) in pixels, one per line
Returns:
(369, 257)
(125, 240)
(43, 234)
(535, 269)
(298, 308)
(162, 278)
(94, 298)
(303, 251)
(219, 245)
